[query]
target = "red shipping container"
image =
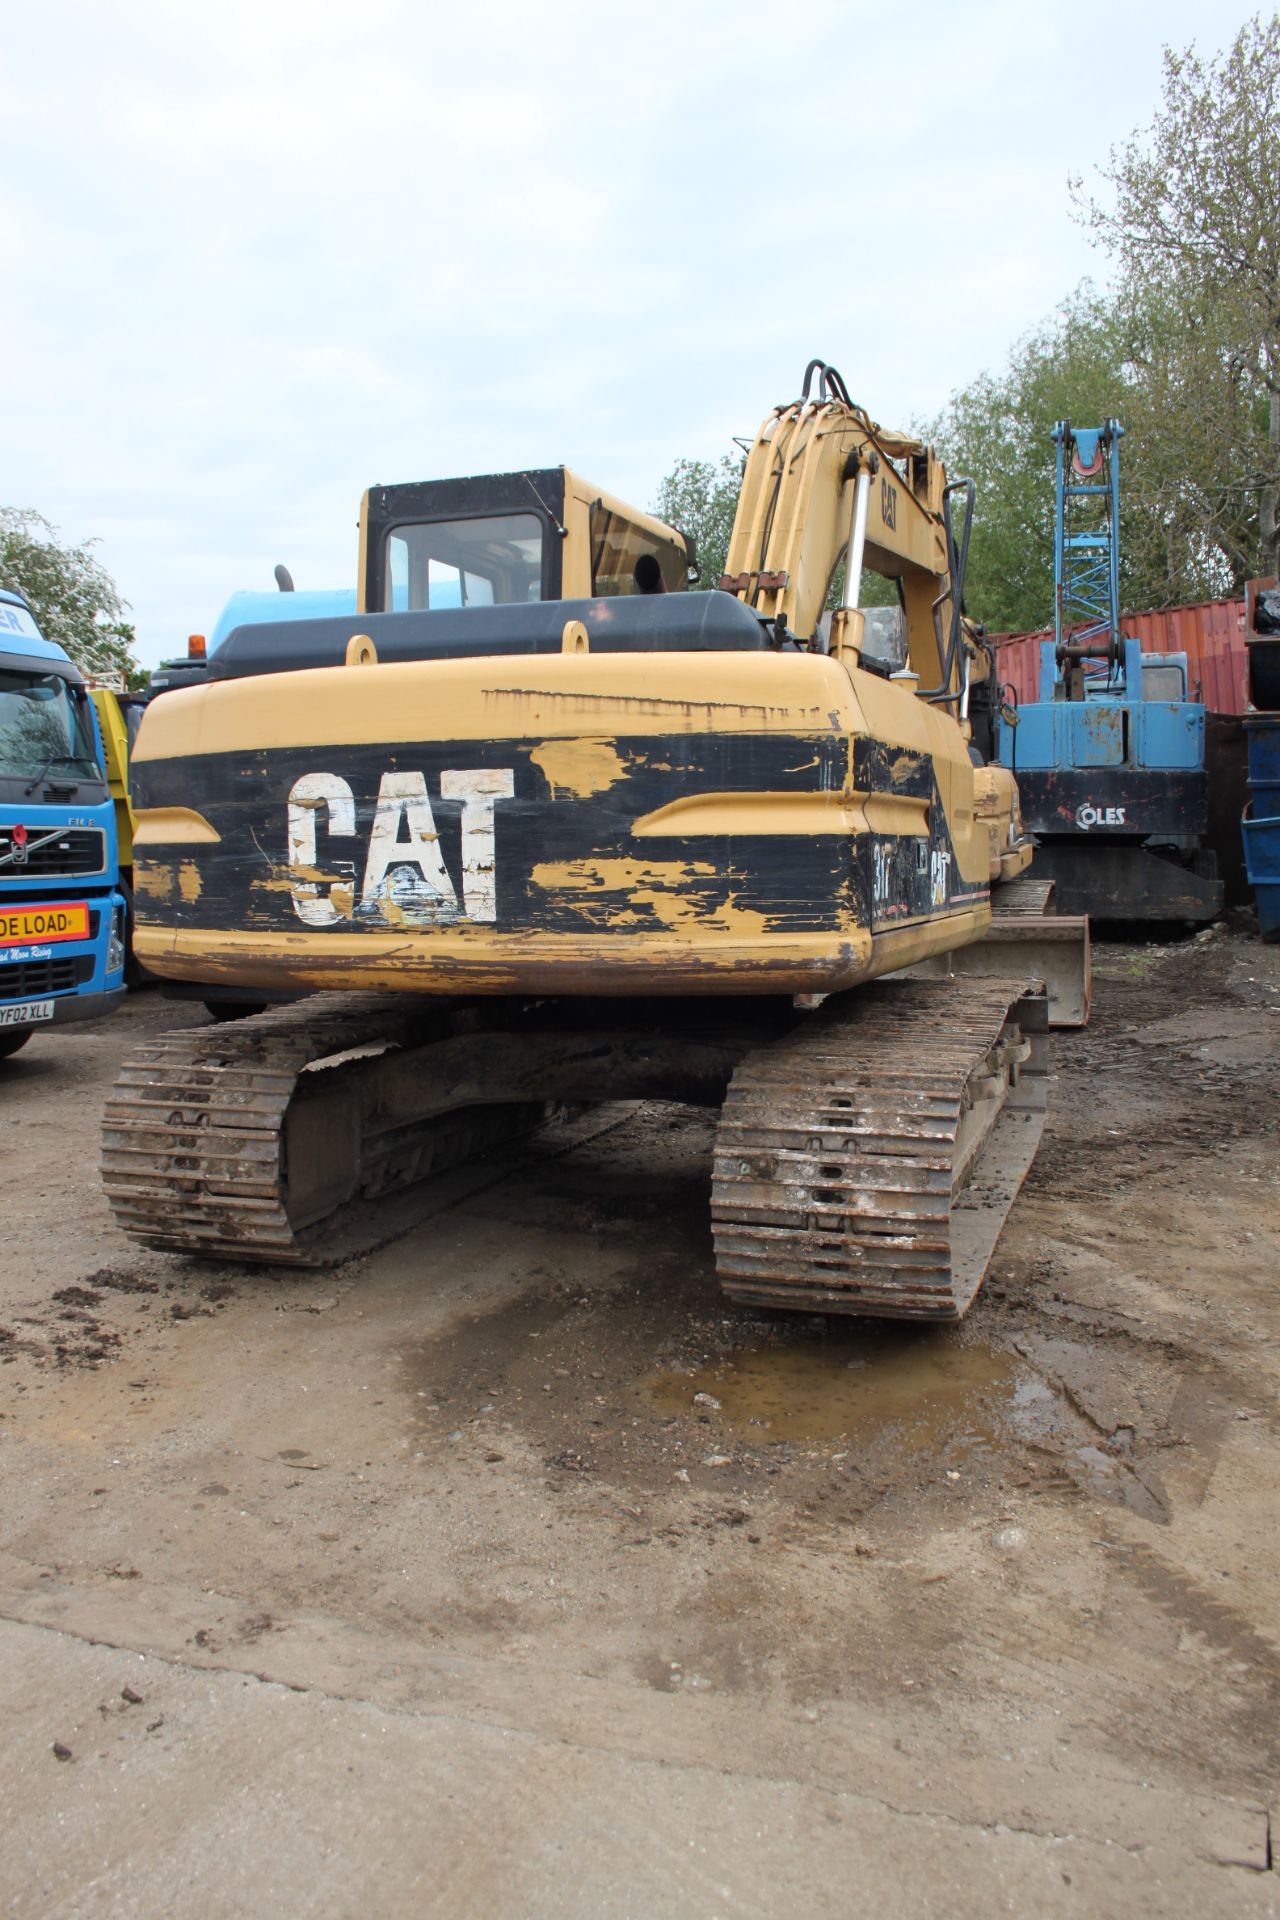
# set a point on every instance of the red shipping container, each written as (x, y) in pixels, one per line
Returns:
(1211, 636)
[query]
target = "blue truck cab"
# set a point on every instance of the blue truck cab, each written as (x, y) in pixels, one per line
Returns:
(62, 914)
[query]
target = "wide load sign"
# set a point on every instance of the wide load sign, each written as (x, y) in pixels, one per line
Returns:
(24, 925)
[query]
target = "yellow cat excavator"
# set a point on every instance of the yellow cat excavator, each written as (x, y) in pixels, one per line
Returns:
(538, 826)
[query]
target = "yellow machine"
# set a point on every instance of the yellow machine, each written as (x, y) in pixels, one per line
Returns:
(118, 718)
(549, 828)
(119, 714)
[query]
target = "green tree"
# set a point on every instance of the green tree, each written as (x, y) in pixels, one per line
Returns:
(996, 431)
(1184, 350)
(1153, 358)
(74, 599)
(1192, 221)
(701, 497)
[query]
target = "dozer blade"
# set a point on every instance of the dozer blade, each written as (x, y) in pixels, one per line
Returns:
(866, 1163)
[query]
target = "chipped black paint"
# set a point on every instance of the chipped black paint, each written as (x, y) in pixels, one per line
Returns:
(1087, 800)
(910, 876)
(549, 842)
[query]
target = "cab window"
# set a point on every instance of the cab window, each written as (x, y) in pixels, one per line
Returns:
(44, 725)
(489, 561)
(629, 558)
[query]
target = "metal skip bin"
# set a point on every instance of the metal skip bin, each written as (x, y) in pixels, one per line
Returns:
(1260, 827)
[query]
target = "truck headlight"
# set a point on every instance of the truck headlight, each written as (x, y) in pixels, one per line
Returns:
(115, 941)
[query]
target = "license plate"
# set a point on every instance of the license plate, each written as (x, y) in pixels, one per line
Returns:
(22, 926)
(25, 1013)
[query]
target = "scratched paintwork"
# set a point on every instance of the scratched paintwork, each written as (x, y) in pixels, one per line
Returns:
(579, 767)
(770, 896)
(1099, 733)
(997, 806)
(626, 832)
(562, 696)
(1163, 801)
(547, 838)
(671, 894)
(153, 879)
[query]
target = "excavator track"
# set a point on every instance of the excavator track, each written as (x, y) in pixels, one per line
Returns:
(195, 1154)
(866, 1162)
(865, 1159)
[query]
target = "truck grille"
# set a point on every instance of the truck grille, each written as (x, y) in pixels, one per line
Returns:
(31, 979)
(80, 850)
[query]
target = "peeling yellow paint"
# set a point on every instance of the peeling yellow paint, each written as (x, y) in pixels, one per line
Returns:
(579, 767)
(673, 892)
(285, 879)
(554, 696)
(153, 878)
(190, 884)
(618, 876)
(652, 958)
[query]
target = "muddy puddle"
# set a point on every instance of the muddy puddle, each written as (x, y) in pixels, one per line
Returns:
(921, 1395)
(930, 1391)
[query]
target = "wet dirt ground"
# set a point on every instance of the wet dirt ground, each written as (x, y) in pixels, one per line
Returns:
(509, 1570)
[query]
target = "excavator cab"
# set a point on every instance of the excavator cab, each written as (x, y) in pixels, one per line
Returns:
(503, 539)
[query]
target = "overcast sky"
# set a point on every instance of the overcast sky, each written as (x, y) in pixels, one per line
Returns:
(258, 256)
